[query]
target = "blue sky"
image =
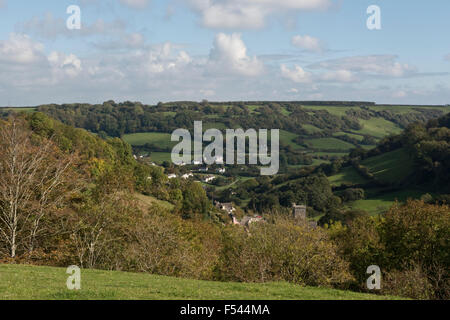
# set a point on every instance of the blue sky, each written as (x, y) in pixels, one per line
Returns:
(155, 50)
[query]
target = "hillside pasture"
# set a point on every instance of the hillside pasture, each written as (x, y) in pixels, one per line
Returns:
(157, 138)
(390, 167)
(380, 204)
(329, 143)
(347, 176)
(19, 282)
(378, 128)
(288, 138)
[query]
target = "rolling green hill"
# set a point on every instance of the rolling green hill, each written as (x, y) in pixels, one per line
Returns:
(157, 138)
(20, 282)
(327, 129)
(348, 176)
(390, 167)
(311, 134)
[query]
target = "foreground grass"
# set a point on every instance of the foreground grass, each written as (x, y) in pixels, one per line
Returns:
(46, 283)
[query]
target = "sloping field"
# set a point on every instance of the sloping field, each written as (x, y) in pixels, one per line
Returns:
(29, 282)
(380, 204)
(288, 139)
(378, 127)
(391, 167)
(139, 139)
(329, 143)
(348, 176)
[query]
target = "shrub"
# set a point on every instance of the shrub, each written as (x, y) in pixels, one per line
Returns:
(166, 244)
(413, 283)
(410, 235)
(281, 251)
(352, 194)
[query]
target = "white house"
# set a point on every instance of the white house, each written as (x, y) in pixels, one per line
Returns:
(172, 176)
(209, 179)
(187, 175)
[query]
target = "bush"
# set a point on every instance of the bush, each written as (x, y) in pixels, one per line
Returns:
(412, 283)
(353, 194)
(167, 245)
(410, 235)
(281, 252)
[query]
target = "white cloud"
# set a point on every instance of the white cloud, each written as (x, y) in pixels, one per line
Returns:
(49, 27)
(162, 59)
(65, 64)
(2, 3)
(25, 67)
(249, 14)
(20, 49)
(380, 65)
(136, 4)
(308, 43)
(339, 76)
(229, 55)
(163, 72)
(297, 74)
(447, 57)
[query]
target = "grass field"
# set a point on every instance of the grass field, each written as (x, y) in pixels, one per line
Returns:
(347, 175)
(378, 127)
(336, 154)
(214, 125)
(379, 204)
(310, 128)
(20, 282)
(351, 135)
(18, 109)
(160, 157)
(336, 110)
(329, 143)
(288, 139)
(390, 167)
(160, 139)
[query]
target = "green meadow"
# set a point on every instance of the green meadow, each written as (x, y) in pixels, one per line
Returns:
(20, 282)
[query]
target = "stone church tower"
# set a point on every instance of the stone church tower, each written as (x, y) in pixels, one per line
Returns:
(299, 212)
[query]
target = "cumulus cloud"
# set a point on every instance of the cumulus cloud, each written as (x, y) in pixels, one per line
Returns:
(20, 49)
(298, 74)
(229, 55)
(249, 14)
(24, 65)
(164, 59)
(65, 64)
(308, 43)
